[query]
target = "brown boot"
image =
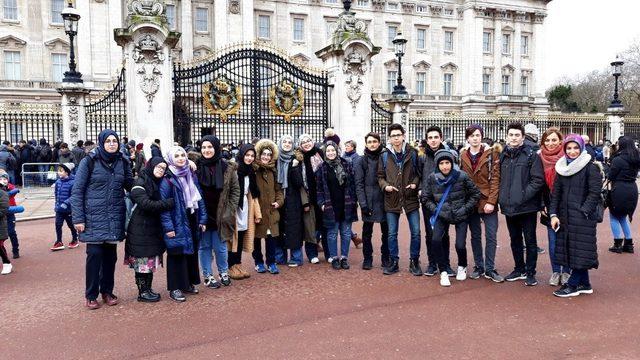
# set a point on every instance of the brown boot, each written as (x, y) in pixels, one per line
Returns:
(234, 273)
(242, 271)
(357, 242)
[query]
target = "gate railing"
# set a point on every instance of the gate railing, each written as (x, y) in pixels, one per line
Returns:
(380, 119)
(110, 112)
(30, 121)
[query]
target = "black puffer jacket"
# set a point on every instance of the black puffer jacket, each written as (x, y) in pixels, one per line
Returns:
(521, 181)
(573, 200)
(461, 202)
(370, 196)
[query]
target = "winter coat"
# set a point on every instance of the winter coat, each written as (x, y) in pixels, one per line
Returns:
(574, 200)
(43, 153)
(25, 154)
(63, 189)
(78, 154)
(351, 158)
(97, 198)
(521, 182)
(531, 142)
(460, 202)
(155, 150)
(138, 162)
(145, 234)
(4, 210)
(228, 204)
(324, 194)
(292, 212)
(270, 192)
(428, 163)
(487, 181)
(65, 156)
(624, 191)
(391, 175)
(370, 196)
(7, 160)
(177, 219)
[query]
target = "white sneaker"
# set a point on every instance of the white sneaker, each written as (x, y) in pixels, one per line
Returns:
(444, 279)
(462, 273)
(315, 260)
(330, 260)
(6, 269)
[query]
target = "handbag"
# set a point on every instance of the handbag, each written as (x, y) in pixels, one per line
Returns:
(606, 194)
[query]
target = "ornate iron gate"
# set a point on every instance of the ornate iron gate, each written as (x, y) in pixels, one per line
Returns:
(380, 119)
(249, 92)
(110, 112)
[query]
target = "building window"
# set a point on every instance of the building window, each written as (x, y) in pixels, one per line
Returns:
(448, 41)
(298, 29)
(506, 84)
(486, 42)
(506, 43)
(202, 19)
(56, 11)
(331, 27)
(392, 77)
(10, 8)
(421, 8)
(362, 3)
(420, 82)
(12, 65)
(448, 12)
(524, 45)
(58, 66)
(264, 26)
(486, 84)
(524, 86)
(448, 83)
(392, 31)
(171, 16)
(421, 39)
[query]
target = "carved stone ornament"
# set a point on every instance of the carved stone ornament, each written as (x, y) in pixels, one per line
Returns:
(286, 99)
(149, 76)
(146, 7)
(347, 22)
(436, 9)
(354, 66)
(234, 6)
(408, 7)
(222, 97)
(147, 51)
(378, 5)
(73, 123)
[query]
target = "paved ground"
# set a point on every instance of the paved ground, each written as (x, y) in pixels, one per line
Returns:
(314, 312)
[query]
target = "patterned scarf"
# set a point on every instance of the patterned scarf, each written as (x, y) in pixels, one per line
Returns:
(190, 192)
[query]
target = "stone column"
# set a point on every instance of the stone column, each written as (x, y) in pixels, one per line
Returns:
(74, 122)
(615, 119)
(186, 26)
(348, 62)
(147, 43)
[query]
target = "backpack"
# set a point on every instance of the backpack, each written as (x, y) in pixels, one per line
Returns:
(599, 154)
(43, 153)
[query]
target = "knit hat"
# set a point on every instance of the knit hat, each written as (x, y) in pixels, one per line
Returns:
(444, 154)
(330, 135)
(140, 146)
(472, 128)
(531, 129)
(4, 174)
(576, 138)
(67, 167)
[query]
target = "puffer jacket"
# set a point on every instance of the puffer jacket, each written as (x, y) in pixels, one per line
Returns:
(488, 182)
(176, 219)
(270, 191)
(63, 189)
(460, 202)
(97, 199)
(4, 210)
(391, 175)
(7, 160)
(370, 196)
(324, 195)
(574, 199)
(521, 182)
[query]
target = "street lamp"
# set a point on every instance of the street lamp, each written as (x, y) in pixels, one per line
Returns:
(399, 45)
(71, 16)
(616, 67)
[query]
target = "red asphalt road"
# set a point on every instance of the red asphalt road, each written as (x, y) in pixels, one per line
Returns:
(314, 312)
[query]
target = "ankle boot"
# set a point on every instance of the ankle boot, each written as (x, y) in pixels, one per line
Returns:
(628, 246)
(143, 289)
(617, 246)
(149, 284)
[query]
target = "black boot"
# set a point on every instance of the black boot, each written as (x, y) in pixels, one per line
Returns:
(617, 246)
(628, 246)
(414, 267)
(143, 291)
(149, 278)
(392, 268)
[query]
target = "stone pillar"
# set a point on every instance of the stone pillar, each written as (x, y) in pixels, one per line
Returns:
(348, 62)
(147, 43)
(74, 122)
(615, 119)
(186, 26)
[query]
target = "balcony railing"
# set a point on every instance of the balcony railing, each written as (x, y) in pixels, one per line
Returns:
(28, 84)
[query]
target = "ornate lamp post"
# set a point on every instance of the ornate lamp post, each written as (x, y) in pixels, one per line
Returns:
(71, 16)
(347, 5)
(616, 67)
(399, 44)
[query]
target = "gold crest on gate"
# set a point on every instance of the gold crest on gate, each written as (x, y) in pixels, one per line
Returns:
(222, 97)
(286, 99)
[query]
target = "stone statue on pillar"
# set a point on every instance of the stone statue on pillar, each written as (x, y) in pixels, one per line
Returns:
(74, 123)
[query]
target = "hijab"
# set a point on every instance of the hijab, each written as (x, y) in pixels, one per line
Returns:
(336, 164)
(284, 160)
(103, 154)
(245, 170)
(190, 192)
(210, 171)
(151, 183)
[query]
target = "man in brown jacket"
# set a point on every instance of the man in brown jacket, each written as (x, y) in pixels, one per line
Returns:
(482, 163)
(399, 179)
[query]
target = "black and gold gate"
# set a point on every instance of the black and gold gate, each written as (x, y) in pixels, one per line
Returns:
(242, 93)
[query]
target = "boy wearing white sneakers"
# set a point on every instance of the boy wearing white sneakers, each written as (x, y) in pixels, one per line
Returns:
(4, 234)
(450, 196)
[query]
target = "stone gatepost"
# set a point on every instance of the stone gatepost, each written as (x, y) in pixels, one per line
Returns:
(146, 43)
(74, 122)
(615, 119)
(348, 62)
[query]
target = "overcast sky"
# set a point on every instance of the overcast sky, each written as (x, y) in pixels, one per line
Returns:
(584, 35)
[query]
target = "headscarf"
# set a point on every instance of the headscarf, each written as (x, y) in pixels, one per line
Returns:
(284, 160)
(575, 138)
(151, 183)
(246, 170)
(336, 164)
(312, 161)
(190, 192)
(105, 156)
(210, 171)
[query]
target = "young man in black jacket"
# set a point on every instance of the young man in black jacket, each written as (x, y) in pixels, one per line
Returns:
(521, 182)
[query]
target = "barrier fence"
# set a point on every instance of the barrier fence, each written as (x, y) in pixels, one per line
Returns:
(38, 180)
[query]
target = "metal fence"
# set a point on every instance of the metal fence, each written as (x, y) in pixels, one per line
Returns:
(110, 112)
(38, 180)
(631, 127)
(30, 121)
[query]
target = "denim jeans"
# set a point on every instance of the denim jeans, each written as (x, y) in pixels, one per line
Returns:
(579, 277)
(414, 228)
(367, 246)
(620, 227)
(60, 220)
(486, 262)
(439, 230)
(11, 229)
(284, 255)
(426, 214)
(344, 228)
(552, 252)
(270, 250)
(517, 226)
(210, 241)
(100, 269)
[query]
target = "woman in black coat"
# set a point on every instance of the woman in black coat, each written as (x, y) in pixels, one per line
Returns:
(576, 192)
(625, 164)
(145, 244)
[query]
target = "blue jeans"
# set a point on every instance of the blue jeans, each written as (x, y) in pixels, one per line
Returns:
(552, 252)
(294, 255)
(13, 235)
(270, 250)
(579, 277)
(620, 227)
(414, 227)
(210, 240)
(490, 234)
(344, 228)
